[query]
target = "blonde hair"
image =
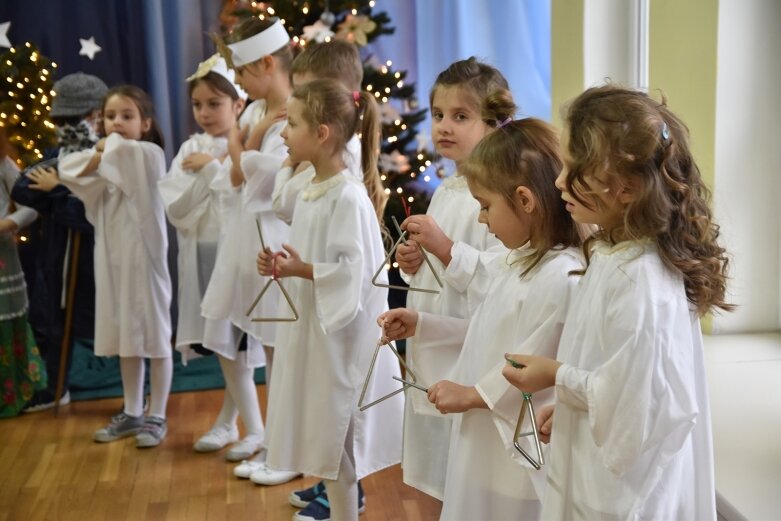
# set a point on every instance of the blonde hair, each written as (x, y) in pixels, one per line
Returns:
(328, 102)
(632, 138)
(337, 59)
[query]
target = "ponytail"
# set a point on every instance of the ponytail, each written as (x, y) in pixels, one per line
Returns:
(369, 128)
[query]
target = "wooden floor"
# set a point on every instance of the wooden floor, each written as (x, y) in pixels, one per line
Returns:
(51, 469)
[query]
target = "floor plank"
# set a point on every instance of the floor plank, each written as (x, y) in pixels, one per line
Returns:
(50, 469)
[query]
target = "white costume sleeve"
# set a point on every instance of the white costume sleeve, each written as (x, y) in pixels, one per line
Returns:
(186, 194)
(339, 284)
(641, 397)
(260, 169)
(440, 331)
(286, 189)
(89, 188)
(539, 329)
(469, 272)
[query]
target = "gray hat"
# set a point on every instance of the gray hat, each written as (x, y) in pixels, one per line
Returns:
(77, 94)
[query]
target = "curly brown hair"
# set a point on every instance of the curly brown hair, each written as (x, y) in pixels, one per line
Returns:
(634, 140)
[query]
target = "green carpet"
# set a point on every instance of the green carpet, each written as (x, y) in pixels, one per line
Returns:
(93, 377)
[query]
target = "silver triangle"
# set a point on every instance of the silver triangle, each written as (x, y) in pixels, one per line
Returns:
(389, 256)
(408, 373)
(528, 406)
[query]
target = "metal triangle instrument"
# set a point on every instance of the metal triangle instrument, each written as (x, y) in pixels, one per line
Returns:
(389, 256)
(527, 406)
(271, 280)
(410, 375)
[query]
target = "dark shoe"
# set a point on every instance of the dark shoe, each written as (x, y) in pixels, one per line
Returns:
(44, 400)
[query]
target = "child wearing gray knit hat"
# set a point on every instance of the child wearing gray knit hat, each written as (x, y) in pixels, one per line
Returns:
(77, 94)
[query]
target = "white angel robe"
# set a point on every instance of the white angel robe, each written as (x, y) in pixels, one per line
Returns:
(425, 430)
(325, 356)
(132, 283)
(191, 208)
(486, 477)
(631, 432)
(235, 281)
(287, 186)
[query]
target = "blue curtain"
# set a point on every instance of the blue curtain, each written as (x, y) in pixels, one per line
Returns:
(151, 43)
(512, 35)
(155, 44)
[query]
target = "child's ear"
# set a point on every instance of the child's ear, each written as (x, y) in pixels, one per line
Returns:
(629, 190)
(269, 63)
(525, 199)
(147, 124)
(323, 132)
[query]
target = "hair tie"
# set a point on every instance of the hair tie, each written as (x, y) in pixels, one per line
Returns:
(357, 98)
(665, 132)
(505, 121)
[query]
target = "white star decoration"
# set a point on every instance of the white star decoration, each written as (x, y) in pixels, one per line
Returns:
(89, 48)
(4, 42)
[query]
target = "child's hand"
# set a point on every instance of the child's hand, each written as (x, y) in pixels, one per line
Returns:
(545, 423)
(408, 257)
(289, 264)
(424, 230)
(195, 161)
(449, 397)
(255, 139)
(43, 179)
(535, 372)
(236, 138)
(100, 145)
(398, 323)
(7, 226)
(265, 262)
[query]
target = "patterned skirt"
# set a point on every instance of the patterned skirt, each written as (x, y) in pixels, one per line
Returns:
(22, 370)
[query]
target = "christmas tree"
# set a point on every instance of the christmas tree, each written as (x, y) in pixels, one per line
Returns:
(25, 102)
(405, 163)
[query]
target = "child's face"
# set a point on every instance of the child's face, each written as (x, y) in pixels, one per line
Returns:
(214, 111)
(300, 138)
(253, 78)
(605, 209)
(512, 227)
(456, 124)
(121, 116)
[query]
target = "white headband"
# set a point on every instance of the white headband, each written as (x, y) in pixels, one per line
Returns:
(217, 64)
(262, 44)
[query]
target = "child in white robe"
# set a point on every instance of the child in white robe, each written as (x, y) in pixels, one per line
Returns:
(260, 55)
(455, 240)
(511, 174)
(192, 207)
(631, 435)
(117, 182)
(335, 246)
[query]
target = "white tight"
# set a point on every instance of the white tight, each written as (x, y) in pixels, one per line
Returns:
(160, 375)
(240, 395)
(343, 492)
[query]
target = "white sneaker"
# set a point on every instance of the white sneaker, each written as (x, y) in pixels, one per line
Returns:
(217, 438)
(269, 477)
(247, 467)
(245, 448)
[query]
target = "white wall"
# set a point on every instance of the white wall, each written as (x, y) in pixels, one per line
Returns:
(747, 195)
(615, 42)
